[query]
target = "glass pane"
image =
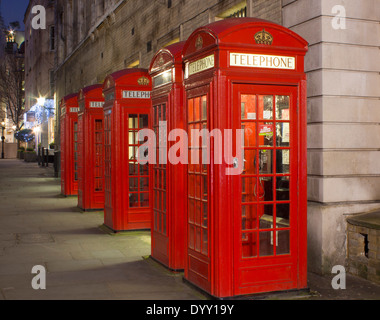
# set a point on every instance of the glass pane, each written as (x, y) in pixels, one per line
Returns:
(164, 201)
(265, 189)
(266, 216)
(133, 184)
(249, 134)
(205, 187)
(164, 112)
(144, 200)
(248, 107)
(283, 161)
(265, 107)
(282, 108)
(248, 189)
(133, 118)
(155, 120)
(133, 167)
(266, 243)
(191, 211)
(191, 186)
(190, 110)
(198, 239)
(266, 161)
(198, 187)
(283, 242)
(282, 189)
(266, 134)
(198, 212)
(250, 162)
(133, 153)
(144, 184)
(249, 217)
(196, 110)
(249, 245)
(164, 224)
(205, 241)
(155, 220)
(191, 236)
(204, 108)
(283, 134)
(133, 200)
(282, 215)
(132, 137)
(144, 169)
(205, 214)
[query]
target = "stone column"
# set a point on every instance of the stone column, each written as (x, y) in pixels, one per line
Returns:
(343, 118)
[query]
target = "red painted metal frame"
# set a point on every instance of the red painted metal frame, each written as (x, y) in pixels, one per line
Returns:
(223, 273)
(118, 215)
(168, 242)
(91, 148)
(69, 121)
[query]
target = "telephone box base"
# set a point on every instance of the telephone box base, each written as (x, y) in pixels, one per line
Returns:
(109, 230)
(294, 294)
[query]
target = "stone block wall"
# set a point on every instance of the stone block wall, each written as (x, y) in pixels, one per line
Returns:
(363, 252)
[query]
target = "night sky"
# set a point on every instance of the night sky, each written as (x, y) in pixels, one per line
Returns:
(14, 10)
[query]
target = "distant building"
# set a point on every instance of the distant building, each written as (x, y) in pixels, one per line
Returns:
(40, 50)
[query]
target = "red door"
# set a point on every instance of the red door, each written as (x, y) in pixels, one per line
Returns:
(266, 211)
(198, 220)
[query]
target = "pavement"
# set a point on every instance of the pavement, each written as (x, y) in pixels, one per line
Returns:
(40, 227)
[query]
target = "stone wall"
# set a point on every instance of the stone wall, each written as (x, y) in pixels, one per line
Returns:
(343, 118)
(364, 252)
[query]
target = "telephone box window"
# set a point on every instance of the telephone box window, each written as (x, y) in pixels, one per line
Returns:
(198, 178)
(139, 180)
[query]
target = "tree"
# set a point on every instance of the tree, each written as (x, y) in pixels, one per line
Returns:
(12, 94)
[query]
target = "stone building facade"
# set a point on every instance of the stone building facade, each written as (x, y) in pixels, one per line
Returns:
(97, 37)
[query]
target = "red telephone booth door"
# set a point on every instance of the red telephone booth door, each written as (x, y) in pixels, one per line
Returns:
(266, 224)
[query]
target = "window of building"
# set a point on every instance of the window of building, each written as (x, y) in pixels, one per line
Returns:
(134, 64)
(237, 11)
(52, 38)
(149, 46)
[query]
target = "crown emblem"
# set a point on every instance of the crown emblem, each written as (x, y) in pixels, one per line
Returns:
(143, 81)
(263, 37)
(199, 43)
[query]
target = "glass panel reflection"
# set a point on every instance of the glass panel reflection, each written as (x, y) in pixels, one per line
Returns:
(266, 134)
(283, 242)
(282, 215)
(248, 107)
(282, 189)
(265, 107)
(249, 134)
(266, 243)
(282, 108)
(283, 134)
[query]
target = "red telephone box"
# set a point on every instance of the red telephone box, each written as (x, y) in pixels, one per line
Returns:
(90, 148)
(69, 145)
(127, 110)
(247, 207)
(169, 180)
